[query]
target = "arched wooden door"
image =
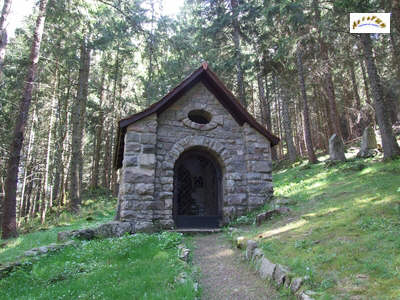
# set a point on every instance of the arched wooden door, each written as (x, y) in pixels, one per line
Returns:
(197, 190)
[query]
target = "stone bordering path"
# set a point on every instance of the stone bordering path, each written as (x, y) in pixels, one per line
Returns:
(106, 230)
(274, 272)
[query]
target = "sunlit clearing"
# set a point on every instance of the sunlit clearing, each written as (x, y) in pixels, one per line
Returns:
(282, 229)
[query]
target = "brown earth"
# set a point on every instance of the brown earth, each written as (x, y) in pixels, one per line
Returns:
(224, 275)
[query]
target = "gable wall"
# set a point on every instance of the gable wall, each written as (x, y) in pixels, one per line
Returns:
(153, 144)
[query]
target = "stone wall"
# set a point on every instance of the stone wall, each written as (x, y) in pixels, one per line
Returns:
(136, 192)
(153, 145)
(259, 167)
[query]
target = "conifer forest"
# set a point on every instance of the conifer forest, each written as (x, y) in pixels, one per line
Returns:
(74, 68)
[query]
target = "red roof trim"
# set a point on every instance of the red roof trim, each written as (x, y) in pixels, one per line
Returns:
(215, 85)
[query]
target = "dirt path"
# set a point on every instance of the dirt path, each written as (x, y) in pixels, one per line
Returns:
(224, 275)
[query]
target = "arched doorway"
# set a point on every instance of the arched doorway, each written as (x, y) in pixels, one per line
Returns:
(197, 190)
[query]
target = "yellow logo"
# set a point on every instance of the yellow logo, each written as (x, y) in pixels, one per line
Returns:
(370, 22)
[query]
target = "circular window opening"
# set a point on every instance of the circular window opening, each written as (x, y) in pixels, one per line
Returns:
(199, 116)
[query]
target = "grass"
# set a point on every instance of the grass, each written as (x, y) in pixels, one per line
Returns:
(98, 206)
(343, 231)
(139, 266)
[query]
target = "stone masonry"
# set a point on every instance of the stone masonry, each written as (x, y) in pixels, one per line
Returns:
(153, 144)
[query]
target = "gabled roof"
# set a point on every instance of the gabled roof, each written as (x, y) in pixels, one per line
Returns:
(214, 85)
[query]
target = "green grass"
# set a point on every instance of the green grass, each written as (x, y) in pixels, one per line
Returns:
(344, 230)
(139, 266)
(98, 207)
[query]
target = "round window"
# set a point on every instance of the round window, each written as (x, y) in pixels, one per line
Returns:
(199, 116)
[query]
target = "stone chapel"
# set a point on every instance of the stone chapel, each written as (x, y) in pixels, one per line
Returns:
(194, 159)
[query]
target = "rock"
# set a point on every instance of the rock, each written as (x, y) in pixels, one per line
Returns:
(336, 148)
(257, 254)
(267, 269)
(54, 247)
(64, 235)
(114, 229)
(368, 143)
(304, 296)
(84, 234)
(183, 253)
(283, 210)
(181, 278)
(251, 246)
(241, 242)
(280, 274)
(296, 284)
(31, 252)
(43, 250)
(144, 226)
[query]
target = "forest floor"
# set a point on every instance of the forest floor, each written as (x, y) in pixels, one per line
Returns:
(343, 230)
(224, 276)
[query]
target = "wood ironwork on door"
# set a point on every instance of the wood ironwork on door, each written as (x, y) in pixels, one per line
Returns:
(197, 190)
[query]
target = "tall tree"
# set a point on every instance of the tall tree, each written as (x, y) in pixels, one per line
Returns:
(306, 119)
(78, 117)
(9, 226)
(287, 124)
(390, 147)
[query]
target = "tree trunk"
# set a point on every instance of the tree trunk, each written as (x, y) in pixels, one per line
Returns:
(99, 130)
(9, 226)
(287, 126)
(390, 147)
(327, 76)
(3, 33)
(238, 53)
(366, 86)
(306, 119)
(78, 112)
(27, 167)
(45, 188)
(106, 161)
(61, 129)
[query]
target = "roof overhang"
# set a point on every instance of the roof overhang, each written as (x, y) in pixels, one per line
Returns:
(214, 85)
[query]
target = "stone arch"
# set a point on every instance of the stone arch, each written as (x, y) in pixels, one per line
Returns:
(216, 148)
(184, 144)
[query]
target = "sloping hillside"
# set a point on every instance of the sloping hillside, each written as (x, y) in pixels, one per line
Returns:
(343, 231)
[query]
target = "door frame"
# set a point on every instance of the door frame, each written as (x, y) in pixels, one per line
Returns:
(187, 221)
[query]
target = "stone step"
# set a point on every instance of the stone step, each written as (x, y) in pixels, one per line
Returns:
(196, 230)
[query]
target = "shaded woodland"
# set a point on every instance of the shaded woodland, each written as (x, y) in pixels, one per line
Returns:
(76, 67)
